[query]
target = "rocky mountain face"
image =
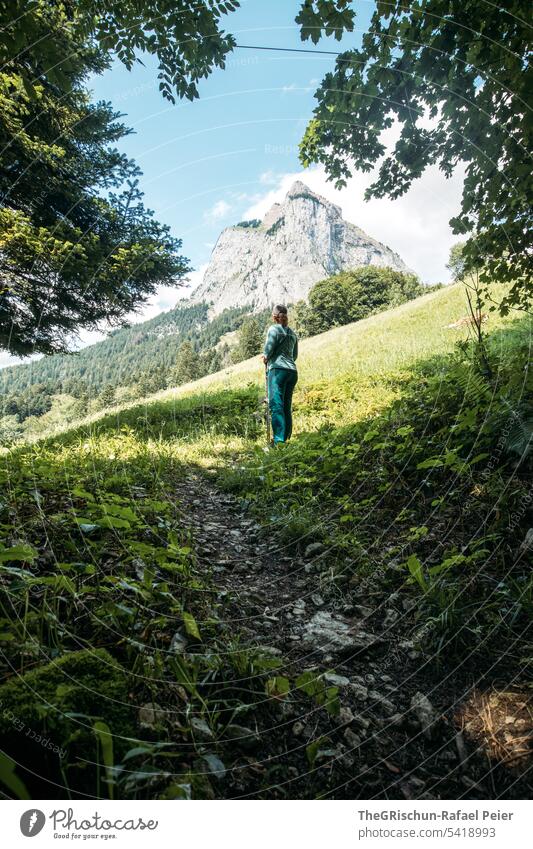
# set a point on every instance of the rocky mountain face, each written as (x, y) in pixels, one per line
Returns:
(278, 259)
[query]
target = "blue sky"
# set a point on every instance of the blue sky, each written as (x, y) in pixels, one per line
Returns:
(232, 153)
(205, 162)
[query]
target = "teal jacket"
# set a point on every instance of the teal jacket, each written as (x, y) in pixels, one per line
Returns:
(281, 347)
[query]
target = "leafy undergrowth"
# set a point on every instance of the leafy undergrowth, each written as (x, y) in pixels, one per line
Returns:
(430, 499)
(121, 675)
(411, 471)
(101, 591)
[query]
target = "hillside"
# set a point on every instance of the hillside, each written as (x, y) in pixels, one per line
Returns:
(126, 355)
(253, 265)
(367, 359)
(133, 362)
(413, 330)
(344, 617)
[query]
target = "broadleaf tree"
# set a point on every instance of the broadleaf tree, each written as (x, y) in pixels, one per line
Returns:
(353, 295)
(455, 76)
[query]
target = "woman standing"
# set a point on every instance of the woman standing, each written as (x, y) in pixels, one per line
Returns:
(279, 356)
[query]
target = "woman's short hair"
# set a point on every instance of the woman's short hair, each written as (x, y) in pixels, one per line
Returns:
(279, 309)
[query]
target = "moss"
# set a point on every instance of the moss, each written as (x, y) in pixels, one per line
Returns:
(47, 715)
(88, 682)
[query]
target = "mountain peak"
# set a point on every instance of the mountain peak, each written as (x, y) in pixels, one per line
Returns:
(299, 241)
(298, 188)
(301, 190)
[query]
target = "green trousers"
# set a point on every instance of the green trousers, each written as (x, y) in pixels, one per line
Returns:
(281, 383)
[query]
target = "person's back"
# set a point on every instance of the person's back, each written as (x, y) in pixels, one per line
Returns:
(279, 357)
(282, 346)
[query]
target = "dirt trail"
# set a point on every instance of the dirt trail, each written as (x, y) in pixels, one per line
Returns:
(274, 598)
(389, 740)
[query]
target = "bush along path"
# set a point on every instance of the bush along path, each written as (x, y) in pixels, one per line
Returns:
(358, 711)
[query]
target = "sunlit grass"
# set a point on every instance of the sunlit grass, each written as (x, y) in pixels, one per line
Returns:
(366, 349)
(345, 374)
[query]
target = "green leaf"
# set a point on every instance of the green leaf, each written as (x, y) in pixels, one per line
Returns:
(113, 522)
(277, 687)
(313, 749)
(310, 682)
(432, 463)
(190, 625)
(478, 458)
(332, 701)
(404, 431)
(136, 751)
(26, 553)
(105, 738)
(178, 791)
(183, 675)
(120, 512)
(85, 525)
(82, 493)
(215, 765)
(415, 568)
(449, 563)
(10, 780)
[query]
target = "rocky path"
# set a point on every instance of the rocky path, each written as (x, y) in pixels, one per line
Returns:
(274, 598)
(388, 740)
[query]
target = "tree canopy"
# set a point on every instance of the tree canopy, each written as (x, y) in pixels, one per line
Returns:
(77, 246)
(454, 75)
(184, 35)
(353, 295)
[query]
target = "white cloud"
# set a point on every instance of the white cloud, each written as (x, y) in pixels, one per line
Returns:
(270, 178)
(88, 337)
(9, 360)
(218, 211)
(193, 280)
(261, 206)
(415, 225)
(164, 299)
(167, 297)
(290, 87)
